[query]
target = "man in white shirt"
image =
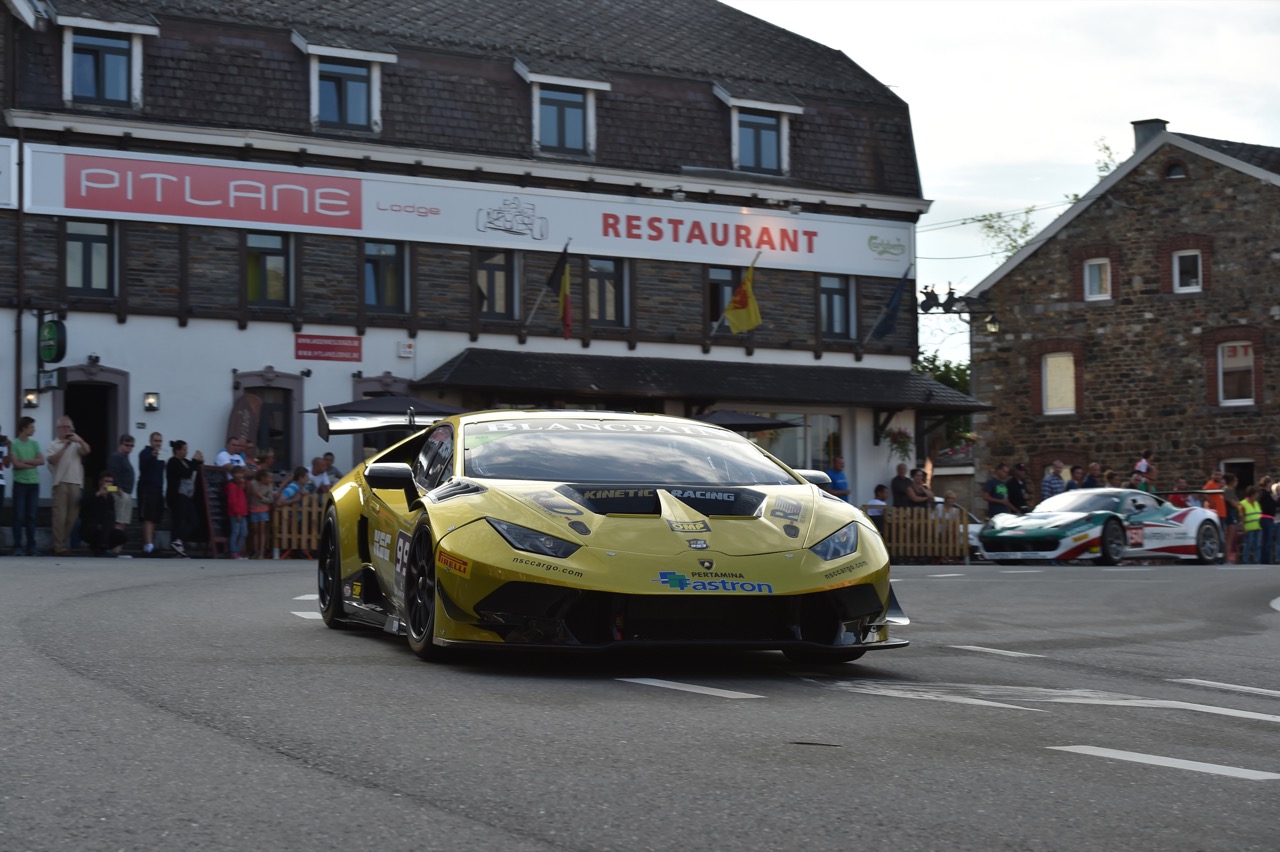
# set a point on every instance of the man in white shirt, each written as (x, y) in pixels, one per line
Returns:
(65, 457)
(232, 456)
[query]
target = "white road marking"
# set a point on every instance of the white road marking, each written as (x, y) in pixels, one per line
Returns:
(307, 598)
(1234, 687)
(1275, 604)
(1023, 571)
(946, 575)
(1171, 762)
(308, 615)
(892, 689)
(688, 687)
(994, 651)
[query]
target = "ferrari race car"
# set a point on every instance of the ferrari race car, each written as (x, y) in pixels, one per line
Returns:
(598, 530)
(1109, 524)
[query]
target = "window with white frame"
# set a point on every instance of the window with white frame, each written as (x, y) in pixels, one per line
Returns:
(1235, 373)
(836, 306)
(346, 86)
(90, 257)
(1097, 278)
(496, 283)
(102, 62)
(1058, 383)
(722, 282)
(760, 133)
(1187, 271)
(564, 112)
(383, 277)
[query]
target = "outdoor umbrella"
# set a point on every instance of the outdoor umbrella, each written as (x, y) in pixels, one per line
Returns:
(740, 421)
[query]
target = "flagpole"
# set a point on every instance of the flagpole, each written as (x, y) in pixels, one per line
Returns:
(542, 291)
(720, 321)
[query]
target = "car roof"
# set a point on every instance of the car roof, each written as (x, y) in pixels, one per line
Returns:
(585, 414)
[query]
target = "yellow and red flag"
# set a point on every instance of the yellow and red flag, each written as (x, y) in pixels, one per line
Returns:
(559, 282)
(743, 314)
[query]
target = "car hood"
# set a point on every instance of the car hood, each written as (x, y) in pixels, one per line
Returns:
(675, 519)
(1036, 522)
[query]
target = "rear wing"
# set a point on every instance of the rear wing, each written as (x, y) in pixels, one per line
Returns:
(356, 423)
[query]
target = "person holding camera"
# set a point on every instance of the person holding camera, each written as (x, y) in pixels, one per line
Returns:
(65, 456)
(98, 524)
(26, 460)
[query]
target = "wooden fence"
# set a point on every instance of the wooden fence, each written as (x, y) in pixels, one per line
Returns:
(924, 535)
(295, 529)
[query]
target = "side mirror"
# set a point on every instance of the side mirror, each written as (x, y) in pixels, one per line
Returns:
(392, 475)
(814, 477)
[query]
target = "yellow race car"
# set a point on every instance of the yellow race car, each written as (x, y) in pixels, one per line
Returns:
(598, 530)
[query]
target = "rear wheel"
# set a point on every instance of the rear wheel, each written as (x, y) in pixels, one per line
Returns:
(329, 573)
(420, 597)
(1113, 543)
(1208, 543)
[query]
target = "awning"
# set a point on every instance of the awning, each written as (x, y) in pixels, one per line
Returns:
(499, 373)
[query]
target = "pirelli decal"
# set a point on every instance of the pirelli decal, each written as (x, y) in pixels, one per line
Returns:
(453, 564)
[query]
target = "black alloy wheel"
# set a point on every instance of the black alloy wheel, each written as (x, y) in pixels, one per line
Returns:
(420, 596)
(329, 573)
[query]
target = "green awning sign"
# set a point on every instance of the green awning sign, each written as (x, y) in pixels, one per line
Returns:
(53, 341)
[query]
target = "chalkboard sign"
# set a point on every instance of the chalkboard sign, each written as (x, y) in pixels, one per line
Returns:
(215, 509)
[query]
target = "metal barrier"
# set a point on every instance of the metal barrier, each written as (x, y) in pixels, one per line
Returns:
(296, 528)
(925, 535)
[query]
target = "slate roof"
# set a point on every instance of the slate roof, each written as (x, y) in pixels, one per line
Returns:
(698, 39)
(497, 371)
(1262, 156)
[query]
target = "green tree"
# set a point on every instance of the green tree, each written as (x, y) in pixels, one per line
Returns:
(955, 376)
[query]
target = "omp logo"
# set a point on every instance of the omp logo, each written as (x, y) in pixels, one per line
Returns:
(382, 544)
(690, 526)
(680, 583)
(449, 562)
(883, 247)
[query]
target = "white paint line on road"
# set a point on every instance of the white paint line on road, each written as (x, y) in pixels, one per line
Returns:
(1023, 571)
(1128, 569)
(1171, 762)
(307, 598)
(688, 687)
(946, 575)
(1275, 604)
(308, 615)
(1231, 686)
(994, 651)
(924, 692)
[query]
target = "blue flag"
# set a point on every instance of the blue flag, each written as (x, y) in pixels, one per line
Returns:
(888, 320)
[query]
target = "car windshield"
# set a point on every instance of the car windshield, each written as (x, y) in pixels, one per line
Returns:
(637, 452)
(1081, 500)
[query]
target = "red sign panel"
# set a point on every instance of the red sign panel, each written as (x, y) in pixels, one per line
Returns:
(316, 347)
(211, 192)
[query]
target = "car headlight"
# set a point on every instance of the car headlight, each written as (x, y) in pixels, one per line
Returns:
(839, 544)
(532, 541)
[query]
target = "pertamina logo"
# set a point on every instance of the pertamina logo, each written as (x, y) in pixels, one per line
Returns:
(676, 581)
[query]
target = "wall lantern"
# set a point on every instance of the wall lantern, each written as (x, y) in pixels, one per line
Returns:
(151, 401)
(31, 398)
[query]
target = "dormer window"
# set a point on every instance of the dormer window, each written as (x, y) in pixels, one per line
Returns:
(1175, 170)
(760, 133)
(564, 112)
(102, 62)
(346, 86)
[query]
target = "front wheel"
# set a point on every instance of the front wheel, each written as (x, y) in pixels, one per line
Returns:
(420, 597)
(1208, 543)
(1113, 543)
(329, 573)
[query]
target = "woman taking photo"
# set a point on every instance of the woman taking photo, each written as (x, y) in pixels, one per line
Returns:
(181, 475)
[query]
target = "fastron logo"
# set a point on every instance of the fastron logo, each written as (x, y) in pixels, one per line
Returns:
(883, 247)
(680, 583)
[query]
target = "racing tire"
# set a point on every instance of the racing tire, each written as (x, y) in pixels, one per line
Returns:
(1208, 543)
(1111, 545)
(420, 602)
(806, 657)
(329, 573)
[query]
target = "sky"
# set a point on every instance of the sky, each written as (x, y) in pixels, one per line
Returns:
(1010, 98)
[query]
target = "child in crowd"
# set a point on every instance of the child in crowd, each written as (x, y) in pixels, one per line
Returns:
(262, 495)
(295, 489)
(237, 512)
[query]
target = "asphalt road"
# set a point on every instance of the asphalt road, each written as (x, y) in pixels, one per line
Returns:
(167, 704)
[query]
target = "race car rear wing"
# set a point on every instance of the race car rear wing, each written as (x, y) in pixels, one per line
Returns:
(356, 423)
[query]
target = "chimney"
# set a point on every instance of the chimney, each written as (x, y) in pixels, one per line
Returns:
(1146, 130)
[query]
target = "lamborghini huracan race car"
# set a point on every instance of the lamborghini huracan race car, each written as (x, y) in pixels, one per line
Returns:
(598, 530)
(1109, 524)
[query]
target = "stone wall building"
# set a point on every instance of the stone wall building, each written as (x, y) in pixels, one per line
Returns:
(1142, 319)
(302, 203)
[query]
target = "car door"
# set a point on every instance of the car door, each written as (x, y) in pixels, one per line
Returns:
(1146, 525)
